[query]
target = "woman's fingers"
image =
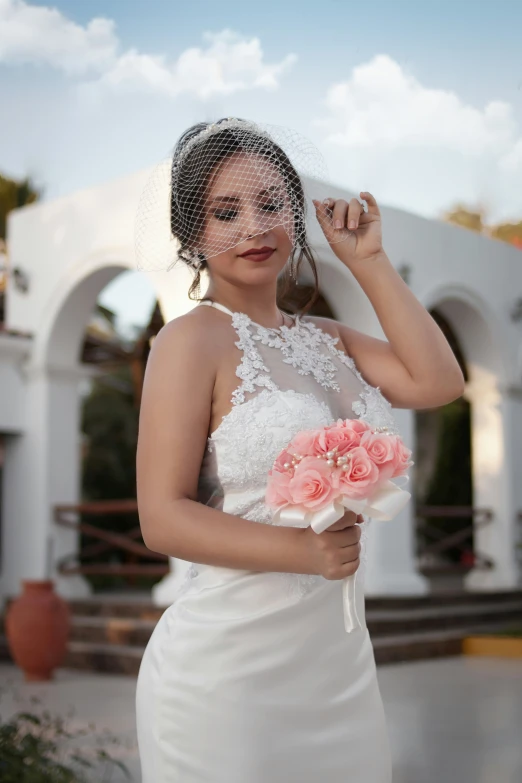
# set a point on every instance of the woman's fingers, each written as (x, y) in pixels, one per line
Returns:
(355, 210)
(339, 213)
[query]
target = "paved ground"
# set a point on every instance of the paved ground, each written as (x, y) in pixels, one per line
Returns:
(456, 720)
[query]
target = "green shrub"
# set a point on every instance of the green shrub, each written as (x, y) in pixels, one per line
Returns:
(41, 748)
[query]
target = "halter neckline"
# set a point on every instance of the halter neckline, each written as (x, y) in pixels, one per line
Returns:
(229, 312)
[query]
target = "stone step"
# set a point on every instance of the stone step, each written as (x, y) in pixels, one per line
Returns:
(141, 607)
(136, 631)
(108, 606)
(120, 657)
(116, 659)
(113, 658)
(422, 646)
(383, 622)
(442, 599)
(112, 630)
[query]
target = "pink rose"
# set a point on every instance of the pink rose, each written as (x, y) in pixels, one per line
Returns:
(342, 438)
(362, 474)
(314, 484)
(402, 458)
(382, 452)
(278, 493)
(284, 458)
(306, 443)
(356, 425)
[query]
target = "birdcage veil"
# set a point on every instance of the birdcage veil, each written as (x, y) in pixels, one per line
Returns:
(270, 172)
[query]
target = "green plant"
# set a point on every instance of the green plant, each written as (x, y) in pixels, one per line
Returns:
(42, 748)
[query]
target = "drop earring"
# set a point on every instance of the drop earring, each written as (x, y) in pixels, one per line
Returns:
(293, 271)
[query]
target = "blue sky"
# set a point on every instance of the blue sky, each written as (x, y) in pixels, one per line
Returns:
(418, 102)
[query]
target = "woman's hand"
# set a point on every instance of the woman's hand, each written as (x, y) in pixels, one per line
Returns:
(353, 234)
(334, 553)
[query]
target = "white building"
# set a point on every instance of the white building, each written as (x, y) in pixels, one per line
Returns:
(71, 248)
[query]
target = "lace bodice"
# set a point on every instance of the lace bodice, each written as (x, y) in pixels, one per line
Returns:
(290, 379)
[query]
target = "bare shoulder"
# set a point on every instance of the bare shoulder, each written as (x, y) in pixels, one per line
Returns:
(199, 335)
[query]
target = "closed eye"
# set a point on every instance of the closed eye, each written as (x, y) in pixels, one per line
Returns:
(231, 214)
(225, 214)
(275, 206)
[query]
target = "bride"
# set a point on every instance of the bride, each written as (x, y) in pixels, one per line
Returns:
(250, 676)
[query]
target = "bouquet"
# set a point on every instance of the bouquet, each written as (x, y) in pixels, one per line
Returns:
(324, 472)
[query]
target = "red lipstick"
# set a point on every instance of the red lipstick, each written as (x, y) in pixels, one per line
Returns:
(258, 253)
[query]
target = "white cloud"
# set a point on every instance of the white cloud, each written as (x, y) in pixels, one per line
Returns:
(383, 106)
(229, 63)
(42, 35)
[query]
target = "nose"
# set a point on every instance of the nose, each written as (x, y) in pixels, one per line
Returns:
(254, 221)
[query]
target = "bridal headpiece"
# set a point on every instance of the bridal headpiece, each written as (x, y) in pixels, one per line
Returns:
(267, 170)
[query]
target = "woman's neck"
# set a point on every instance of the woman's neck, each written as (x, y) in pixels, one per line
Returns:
(259, 304)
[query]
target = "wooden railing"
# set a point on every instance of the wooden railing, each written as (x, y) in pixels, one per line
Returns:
(434, 544)
(128, 546)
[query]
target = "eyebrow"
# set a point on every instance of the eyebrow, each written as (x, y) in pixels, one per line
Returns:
(235, 199)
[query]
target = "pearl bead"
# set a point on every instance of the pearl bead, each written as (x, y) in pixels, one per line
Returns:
(330, 462)
(342, 460)
(346, 467)
(286, 465)
(330, 454)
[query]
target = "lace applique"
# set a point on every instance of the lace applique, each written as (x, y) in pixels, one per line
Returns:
(252, 371)
(300, 346)
(251, 435)
(372, 406)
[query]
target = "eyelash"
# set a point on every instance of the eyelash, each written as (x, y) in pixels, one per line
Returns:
(230, 214)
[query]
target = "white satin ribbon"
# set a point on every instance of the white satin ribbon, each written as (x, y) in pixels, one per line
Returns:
(384, 505)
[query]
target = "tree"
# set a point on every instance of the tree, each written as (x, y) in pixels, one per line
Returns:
(509, 232)
(475, 220)
(460, 215)
(13, 194)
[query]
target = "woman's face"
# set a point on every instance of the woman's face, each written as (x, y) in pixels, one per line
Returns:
(247, 208)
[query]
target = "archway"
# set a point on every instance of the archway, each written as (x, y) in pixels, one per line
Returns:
(444, 482)
(47, 456)
(486, 553)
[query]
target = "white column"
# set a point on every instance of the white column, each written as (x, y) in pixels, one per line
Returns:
(42, 468)
(497, 480)
(391, 568)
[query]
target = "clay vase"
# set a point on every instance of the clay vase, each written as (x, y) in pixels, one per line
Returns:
(37, 627)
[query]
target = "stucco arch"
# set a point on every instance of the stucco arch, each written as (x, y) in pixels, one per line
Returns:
(477, 328)
(485, 345)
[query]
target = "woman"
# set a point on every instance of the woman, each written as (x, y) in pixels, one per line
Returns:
(250, 676)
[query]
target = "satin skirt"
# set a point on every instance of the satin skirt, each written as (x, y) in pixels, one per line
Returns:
(241, 683)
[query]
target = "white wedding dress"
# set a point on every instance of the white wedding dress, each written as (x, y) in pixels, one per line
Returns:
(250, 677)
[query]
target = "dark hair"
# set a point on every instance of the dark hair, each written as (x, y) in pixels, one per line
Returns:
(194, 168)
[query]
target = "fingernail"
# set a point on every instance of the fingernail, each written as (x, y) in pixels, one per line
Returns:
(326, 201)
(351, 224)
(338, 224)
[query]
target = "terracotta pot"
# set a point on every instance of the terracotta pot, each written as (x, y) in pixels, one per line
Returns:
(37, 628)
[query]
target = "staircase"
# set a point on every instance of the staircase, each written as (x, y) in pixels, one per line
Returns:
(110, 633)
